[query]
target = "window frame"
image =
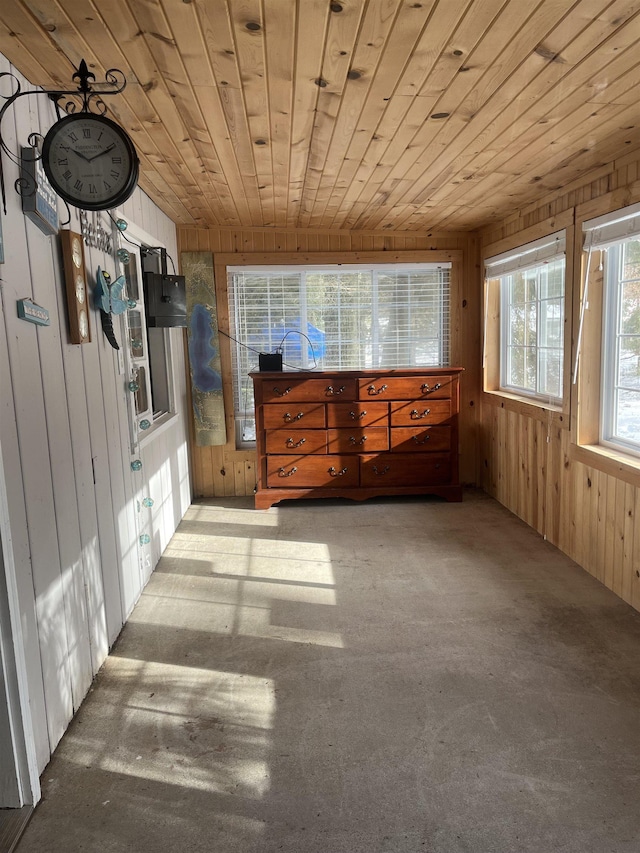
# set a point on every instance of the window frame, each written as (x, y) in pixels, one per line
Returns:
(135, 243)
(553, 411)
(589, 299)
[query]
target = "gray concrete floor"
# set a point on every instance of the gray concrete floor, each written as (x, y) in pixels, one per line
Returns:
(404, 676)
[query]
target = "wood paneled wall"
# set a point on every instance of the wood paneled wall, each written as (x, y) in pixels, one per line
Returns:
(585, 505)
(227, 471)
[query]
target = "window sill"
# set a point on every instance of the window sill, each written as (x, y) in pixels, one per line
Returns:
(531, 408)
(613, 462)
(161, 425)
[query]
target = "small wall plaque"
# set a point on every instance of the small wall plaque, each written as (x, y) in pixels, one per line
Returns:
(41, 205)
(32, 313)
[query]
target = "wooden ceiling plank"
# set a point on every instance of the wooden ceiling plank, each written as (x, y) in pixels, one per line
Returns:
(160, 39)
(538, 106)
(41, 62)
(398, 126)
(519, 35)
(310, 40)
(569, 135)
(342, 32)
(363, 86)
(281, 22)
(192, 44)
(221, 55)
(526, 87)
(523, 190)
(250, 51)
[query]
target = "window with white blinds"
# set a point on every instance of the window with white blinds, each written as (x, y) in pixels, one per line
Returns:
(337, 317)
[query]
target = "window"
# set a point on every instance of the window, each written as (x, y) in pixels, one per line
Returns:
(616, 239)
(621, 351)
(531, 282)
(148, 352)
(335, 317)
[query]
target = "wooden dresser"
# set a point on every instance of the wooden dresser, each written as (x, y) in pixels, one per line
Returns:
(357, 434)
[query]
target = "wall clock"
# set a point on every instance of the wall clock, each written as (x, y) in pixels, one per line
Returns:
(90, 161)
(75, 277)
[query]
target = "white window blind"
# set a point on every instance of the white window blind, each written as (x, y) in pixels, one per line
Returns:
(529, 255)
(612, 228)
(336, 317)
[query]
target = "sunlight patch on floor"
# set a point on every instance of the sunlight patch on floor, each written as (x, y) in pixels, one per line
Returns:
(202, 729)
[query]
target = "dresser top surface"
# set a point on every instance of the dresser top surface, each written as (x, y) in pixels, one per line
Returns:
(368, 372)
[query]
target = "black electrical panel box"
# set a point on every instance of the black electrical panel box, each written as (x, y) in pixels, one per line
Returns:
(165, 300)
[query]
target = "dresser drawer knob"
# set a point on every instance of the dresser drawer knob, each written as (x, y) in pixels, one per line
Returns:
(425, 387)
(354, 440)
(380, 473)
(289, 417)
(280, 393)
(419, 440)
(373, 390)
(291, 443)
(355, 416)
(331, 391)
(415, 415)
(335, 473)
(283, 473)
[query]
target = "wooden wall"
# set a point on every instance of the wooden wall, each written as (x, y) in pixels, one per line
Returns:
(585, 503)
(227, 471)
(72, 521)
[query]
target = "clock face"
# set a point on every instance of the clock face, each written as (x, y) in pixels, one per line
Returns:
(90, 162)
(80, 288)
(83, 324)
(76, 252)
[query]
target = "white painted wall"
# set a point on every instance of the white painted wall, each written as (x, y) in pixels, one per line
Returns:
(64, 438)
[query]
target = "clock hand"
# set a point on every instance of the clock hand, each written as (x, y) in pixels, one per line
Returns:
(100, 153)
(80, 154)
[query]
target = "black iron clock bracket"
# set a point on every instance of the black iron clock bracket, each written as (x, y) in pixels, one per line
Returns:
(91, 101)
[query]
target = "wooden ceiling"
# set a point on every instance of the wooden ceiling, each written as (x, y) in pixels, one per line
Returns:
(364, 114)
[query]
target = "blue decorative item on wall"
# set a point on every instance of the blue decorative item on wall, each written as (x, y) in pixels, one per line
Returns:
(109, 298)
(204, 349)
(202, 352)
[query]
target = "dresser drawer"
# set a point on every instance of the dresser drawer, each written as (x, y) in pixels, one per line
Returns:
(301, 390)
(358, 414)
(358, 439)
(334, 472)
(420, 439)
(419, 412)
(405, 469)
(419, 387)
(309, 415)
(296, 441)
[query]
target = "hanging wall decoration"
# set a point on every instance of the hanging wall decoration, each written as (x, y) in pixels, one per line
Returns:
(75, 277)
(204, 349)
(88, 159)
(110, 300)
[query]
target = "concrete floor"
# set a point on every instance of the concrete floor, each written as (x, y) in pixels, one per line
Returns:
(404, 676)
